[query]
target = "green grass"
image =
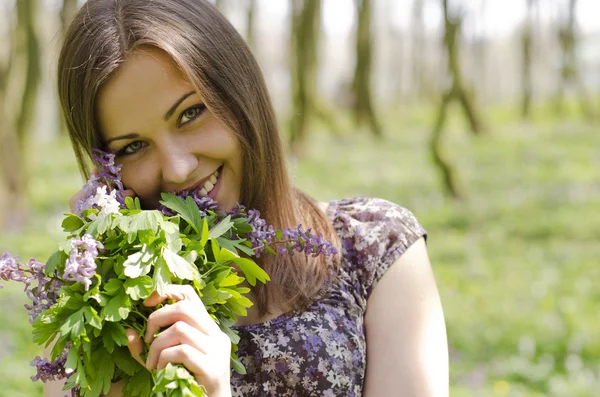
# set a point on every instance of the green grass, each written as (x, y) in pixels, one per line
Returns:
(515, 263)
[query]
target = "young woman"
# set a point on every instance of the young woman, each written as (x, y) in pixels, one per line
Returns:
(174, 91)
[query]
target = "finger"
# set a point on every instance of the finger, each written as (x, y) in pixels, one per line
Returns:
(193, 313)
(175, 292)
(128, 193)
(135, 345)
(179, 333)
(203, 367)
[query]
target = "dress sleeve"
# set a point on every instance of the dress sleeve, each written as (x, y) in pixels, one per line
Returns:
(374, 234)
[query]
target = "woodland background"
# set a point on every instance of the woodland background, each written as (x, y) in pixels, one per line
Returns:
(480, 116)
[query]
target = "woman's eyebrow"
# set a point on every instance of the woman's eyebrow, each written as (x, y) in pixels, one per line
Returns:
(128, 136)
(166, 118)
(174, 107)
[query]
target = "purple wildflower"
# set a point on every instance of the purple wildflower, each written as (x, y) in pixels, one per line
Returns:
(108, 174)
(204, 203)
(50, 371)
(107, 170)
(300, 241)
(81, 265)
(43, 294)
(10, 269)
(261, 234)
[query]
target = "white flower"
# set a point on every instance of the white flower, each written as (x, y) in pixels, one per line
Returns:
(107, 203)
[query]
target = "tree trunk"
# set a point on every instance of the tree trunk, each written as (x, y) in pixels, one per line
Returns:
(250, 34)
(28, 44)
(527, 55)
(361, 85)
(304, 43)
(449, 179)
(67, 12)
(417, 48)
(456, 92)
(19, 82)
(569, 72)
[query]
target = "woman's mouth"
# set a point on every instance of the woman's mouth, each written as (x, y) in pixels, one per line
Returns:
(211, 187)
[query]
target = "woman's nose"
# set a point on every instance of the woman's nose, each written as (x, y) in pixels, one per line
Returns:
(177, 164)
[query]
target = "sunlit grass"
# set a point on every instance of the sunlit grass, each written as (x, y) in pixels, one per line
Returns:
(516, 263)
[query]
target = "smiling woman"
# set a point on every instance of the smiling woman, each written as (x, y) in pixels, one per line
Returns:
(164, 135)
(172, 89)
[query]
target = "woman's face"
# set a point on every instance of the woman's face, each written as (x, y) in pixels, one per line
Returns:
(164, 136)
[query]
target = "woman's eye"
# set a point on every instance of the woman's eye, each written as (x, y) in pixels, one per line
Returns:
(191, 114)
(132, 148)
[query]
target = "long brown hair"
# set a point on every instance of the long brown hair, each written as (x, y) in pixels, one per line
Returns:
(217, 61)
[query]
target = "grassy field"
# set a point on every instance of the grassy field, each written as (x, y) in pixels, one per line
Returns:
(515, 263)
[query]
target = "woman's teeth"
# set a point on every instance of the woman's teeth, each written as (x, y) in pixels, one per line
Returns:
(208, 185)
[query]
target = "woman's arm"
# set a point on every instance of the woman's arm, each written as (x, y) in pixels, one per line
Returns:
(407, 348)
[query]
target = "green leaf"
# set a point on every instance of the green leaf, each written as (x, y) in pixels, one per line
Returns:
(125, 362)
(118, 333)
(140, 263)
(72, 357)
(72, 223)
(204, 235)
(241, 226)
(57, 258)
(75, 325)
(45, 328)
(251, 270)
(235, 245)
(178, 266)
(117, 309)
(140, 384)
(92, 318)
(138, 288)
(279, 235)
(107, 339)
(162, 276)
(145, 220)
(221, 228)
(188, 210)
(133, 204)
(113, 287)
(237, 366)
(106, 369)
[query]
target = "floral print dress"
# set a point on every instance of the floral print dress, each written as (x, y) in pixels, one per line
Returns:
(322, 351)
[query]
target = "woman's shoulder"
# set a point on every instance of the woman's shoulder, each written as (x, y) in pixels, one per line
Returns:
(373, 214)
(373, 233)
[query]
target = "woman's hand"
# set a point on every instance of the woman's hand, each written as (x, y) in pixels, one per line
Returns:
(192, 339)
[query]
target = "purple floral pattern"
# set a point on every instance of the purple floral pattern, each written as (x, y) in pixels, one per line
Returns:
(322, 351)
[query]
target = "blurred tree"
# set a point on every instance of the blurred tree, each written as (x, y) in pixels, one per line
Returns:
(19, 81)
(305, 38)
(457, 91)
(9, 145)
(569, 71)
(361, 84)
(219, 4)
(250, 34)
(417, 47)
(527, 56)
(481, 43)
(67, 12)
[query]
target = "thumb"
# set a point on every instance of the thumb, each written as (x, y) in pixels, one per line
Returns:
(128, 193)
(136, 346)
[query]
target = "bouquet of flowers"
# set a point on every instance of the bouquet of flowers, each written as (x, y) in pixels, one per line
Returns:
(93, 287)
